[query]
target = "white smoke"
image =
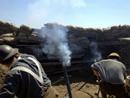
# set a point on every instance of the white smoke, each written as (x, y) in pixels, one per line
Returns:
(56, 42)
(95, 52)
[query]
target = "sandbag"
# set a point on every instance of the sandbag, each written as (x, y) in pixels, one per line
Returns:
(17, 29)
(81, 38)
(125, 27)
(98, 30)
(21, 38)
(124, 32)
(115, 34)
(92, 33)
(6, 29)
(106, 34)
(89, 29)
(115, 31)
(72, 28)
(8, 24)
(74, 32)
(114, 27)
(8, 39)
(85, 41)
(110, 38)
(25, 31)
(7, 35)
(1, 41)
(84, 32)
(1, 27)
(34, 33)
(33, 38)
(21, 34)
(25, 27)
(106, 31)
(13, 28)
(1, 23)
(71, 38)
(80, 29)
(2, 32)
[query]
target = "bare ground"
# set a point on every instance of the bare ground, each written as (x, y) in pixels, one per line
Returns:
(83, 84)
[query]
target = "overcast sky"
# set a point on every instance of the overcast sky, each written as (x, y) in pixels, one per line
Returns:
(83, 13)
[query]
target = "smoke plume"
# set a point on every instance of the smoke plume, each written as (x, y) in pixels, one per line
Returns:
(56, 42)
(95, 52)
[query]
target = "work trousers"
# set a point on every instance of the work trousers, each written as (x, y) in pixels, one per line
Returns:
(117, 90)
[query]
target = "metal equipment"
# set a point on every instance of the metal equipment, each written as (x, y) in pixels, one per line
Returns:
(67, 81)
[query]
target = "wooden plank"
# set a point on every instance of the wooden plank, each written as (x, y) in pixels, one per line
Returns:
(59, 63)
(28, 42)
(25, 45)
(110, 43)
(55, 58)
(125, 39)
(68, 70)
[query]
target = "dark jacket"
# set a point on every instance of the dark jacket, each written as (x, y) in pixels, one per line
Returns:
(21, 83)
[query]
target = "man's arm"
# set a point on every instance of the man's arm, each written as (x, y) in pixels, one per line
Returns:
(10, 86)
(95, 70)
(125, 74)
(96, 73)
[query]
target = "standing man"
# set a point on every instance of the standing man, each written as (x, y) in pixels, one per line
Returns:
(112, 74)
(26, 78)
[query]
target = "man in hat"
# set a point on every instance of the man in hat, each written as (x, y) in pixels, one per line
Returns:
(26, 78)
(112, 74)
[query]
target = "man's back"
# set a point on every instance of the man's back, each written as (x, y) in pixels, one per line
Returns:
(23, 84)
(110, 70)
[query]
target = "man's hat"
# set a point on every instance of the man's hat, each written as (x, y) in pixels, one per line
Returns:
(6, 52)
(114, 55)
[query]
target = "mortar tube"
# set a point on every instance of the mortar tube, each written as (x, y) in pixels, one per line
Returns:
(67, 82)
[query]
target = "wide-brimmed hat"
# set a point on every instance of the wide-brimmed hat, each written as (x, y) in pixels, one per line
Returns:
(6, 52)
(114, 55)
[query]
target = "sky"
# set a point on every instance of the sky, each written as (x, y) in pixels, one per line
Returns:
(81, 13)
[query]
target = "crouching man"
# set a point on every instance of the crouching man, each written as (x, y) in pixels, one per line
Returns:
(112, 74)
(26, 78)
